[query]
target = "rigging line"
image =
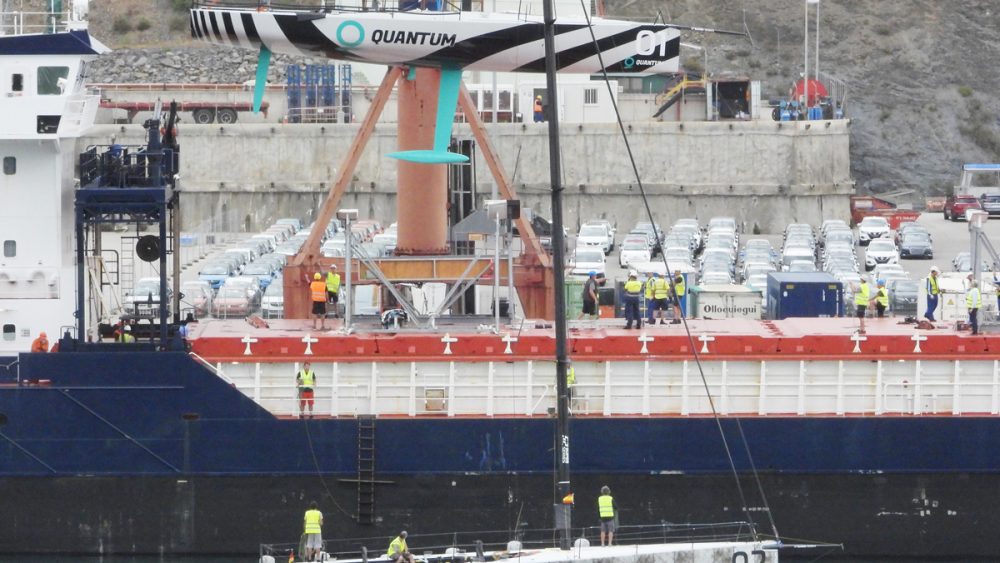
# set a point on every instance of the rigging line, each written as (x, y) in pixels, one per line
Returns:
(319, 473)
(675, 298)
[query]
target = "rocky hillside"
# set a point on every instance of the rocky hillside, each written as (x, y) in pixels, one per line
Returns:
(921, 86)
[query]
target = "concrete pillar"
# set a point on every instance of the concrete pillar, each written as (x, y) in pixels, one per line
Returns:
(422, 202)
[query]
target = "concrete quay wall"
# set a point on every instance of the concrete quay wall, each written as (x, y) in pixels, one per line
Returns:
(764, 173)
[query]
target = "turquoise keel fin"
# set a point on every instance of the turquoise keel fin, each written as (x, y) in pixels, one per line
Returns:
(263, 62)
(451, 81)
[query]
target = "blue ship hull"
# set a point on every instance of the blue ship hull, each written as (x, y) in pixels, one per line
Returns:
(151, 453)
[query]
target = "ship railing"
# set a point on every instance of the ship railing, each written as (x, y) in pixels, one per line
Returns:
(217, 370)
(888, 388)
(488, 545)
(21, 22)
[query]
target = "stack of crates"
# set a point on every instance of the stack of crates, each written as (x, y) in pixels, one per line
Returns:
(319, 93)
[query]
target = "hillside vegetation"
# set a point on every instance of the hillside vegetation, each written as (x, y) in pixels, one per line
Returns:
(922, 91)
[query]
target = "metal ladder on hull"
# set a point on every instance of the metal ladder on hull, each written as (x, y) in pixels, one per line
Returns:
(366, 469)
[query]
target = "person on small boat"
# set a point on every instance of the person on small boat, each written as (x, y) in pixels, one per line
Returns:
(313, 532)
(398, 550)
(606, 509)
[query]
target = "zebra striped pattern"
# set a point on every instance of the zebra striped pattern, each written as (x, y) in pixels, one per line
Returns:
(470, 40)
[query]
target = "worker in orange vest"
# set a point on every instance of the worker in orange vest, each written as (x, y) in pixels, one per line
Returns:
(317, 291)
(539, 110)
(40, 344)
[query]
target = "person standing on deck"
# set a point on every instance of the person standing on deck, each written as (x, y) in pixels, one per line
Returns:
(632, 289)
(861, 299)
(313, 532)
(881, 299)
(305, 380)
(606, 509)
(590, 297)
(333, 288)
(650, 303)
(933, 293)
(679, 292)
(317, 292)
(661, 296)
(539, 111)
(398, 550)
(973, 302)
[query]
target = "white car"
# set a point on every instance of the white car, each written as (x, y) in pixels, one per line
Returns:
(872, 228)
(881, 251)
(594, 236)
(588, 260)
(633, 250)
(612, 231)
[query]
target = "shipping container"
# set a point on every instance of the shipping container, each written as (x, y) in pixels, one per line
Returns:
(804, 294)
(726, 302)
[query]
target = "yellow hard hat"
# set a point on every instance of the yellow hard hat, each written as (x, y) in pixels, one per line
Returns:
(316, 276)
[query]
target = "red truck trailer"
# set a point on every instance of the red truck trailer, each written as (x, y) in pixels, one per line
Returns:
(863, 206)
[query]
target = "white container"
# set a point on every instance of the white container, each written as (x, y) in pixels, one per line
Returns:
(726, 302)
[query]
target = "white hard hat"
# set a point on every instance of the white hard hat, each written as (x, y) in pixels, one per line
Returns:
(632, 274)
(935, 269)
(127, 328)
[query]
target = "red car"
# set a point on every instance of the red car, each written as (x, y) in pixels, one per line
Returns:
(956, 205)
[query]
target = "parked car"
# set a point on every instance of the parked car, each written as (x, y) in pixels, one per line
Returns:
(872, 228)
(263, 271)
(916, 245)
(588, 260)
(882, 251)
(633, 250)
(955, 206)
(272, 305)
(231, 301)
(294, 223)
(612, 231)
(216, 272)
(903, 297)
(144, 299)
(196, 298)
(594, 236)
(990, 204)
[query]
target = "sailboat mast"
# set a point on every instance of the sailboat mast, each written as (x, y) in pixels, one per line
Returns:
(563, 510)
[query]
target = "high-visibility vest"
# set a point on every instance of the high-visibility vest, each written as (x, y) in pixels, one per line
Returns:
(633, 287)
(570, 376)
(932, 286)
(606, 504)
(318, 290)
(314, 520)
(397, 546)
(863, 296)
(882, 297)
(308, 378)
(660, 289)
(679, 288)
(332, 282)
(973, 299)
(649, 287)
(126, 338)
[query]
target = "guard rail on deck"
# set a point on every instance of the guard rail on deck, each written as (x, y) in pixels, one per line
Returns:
(633, 388)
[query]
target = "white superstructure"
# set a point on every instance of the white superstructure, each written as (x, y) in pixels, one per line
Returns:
(44, 107)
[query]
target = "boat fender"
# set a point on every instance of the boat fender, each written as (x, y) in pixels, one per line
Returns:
(324, 556)
(581, 543)
(266, 559)
(514, 546)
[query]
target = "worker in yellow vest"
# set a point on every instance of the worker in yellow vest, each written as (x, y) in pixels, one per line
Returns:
(606, 508)
(650, 303)
(398, 550)
(317, 293)
(679, 297)
(973, 302)
(933, 291)
(632, 289)
(881, 299)
(862, 296)
(313, 540)
(333, 288)
(661, 296)
(305, 380)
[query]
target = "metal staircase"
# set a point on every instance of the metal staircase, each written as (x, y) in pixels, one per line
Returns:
(366, 469)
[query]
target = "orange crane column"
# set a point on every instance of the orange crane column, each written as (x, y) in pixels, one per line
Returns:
(422, 189)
